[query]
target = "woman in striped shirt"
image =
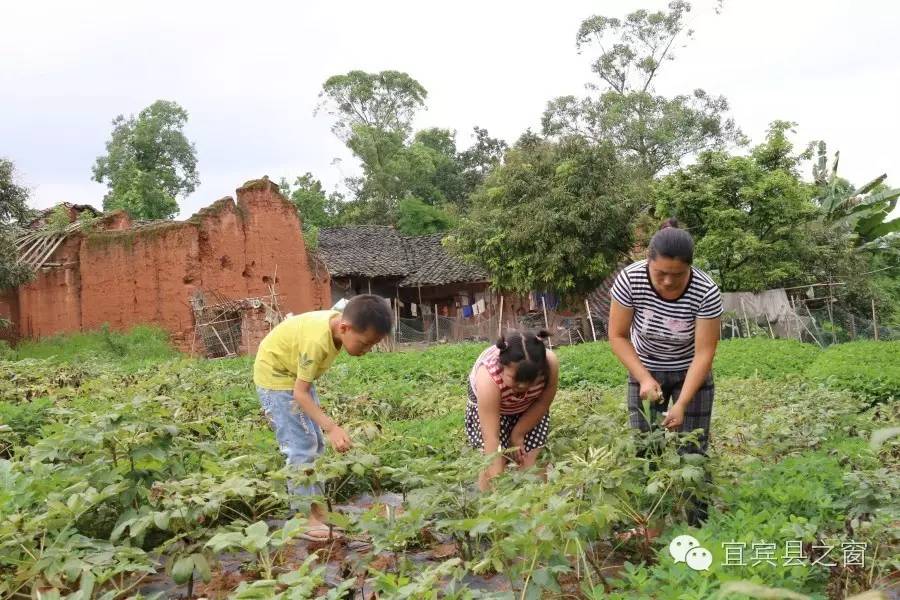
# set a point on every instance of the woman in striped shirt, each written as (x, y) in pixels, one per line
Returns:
(664, 327)
(511, 387)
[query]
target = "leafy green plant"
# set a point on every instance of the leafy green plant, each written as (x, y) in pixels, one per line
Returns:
(867, 368)
(117, 464)
(257, 539)
(763, 358)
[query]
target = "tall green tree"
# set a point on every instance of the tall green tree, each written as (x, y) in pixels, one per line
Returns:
(149, 162)
(404, 176)
(425, 169)
(479, 160)
(13, 211)
(316, 208)
(415, 217)
(749, 215)
(385, 101)
(553, 216)
(652, 131)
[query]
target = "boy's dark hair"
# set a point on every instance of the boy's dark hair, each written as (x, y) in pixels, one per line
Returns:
(528, 350)
(368, 311)
(672, 242)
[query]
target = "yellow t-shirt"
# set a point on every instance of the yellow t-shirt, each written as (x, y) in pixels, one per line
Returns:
(300, 347)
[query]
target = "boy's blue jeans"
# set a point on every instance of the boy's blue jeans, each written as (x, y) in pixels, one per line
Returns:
(298, 437)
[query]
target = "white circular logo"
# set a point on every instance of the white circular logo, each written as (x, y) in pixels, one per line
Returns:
(698, 559)
(680, 546)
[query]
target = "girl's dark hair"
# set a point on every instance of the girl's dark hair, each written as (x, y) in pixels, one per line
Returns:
(672, 242)
(527, 349)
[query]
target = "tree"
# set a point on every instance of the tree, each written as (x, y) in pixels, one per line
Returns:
(653, 132)
(13, 210)
(393, 170)
(480, 159)
(401, 172)
(749, 214)
(149, 162)
(418, 218)
(316, 209)
(552, 217)
(381, 102)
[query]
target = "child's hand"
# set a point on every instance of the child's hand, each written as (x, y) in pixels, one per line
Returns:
(517, 441)
(339, 439)
(486, 477)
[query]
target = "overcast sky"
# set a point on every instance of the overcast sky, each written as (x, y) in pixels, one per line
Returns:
(249, 74)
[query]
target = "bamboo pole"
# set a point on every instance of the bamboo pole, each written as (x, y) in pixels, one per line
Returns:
(811, 320)
(227, 351)
(437, 324)
(831, 316)
(590, 319)
(546, 321)
(500, 319)
(796, 319)
(874, 320)
(33, 249)
(746, 320)
(47, 256)
(769, 323)
(396, 313)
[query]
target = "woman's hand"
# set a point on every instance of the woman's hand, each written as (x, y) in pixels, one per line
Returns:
(651, 390)
(674, 418)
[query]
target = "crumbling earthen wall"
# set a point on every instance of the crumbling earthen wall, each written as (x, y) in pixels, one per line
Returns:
(147, 274)
(9, 310)
(50, 302)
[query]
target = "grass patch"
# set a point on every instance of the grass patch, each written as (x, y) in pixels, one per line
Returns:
(140, 345)
(867, 368)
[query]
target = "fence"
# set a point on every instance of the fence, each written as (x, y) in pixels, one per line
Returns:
(817, 321)
(813, 320)
(565, 329)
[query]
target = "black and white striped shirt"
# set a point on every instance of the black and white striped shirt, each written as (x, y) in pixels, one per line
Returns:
(662, 331)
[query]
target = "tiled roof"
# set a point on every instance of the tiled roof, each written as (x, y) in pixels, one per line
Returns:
(364, 251)
(431, 264)
(380, 251)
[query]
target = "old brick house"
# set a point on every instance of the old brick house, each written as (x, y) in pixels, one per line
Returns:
(121, 273)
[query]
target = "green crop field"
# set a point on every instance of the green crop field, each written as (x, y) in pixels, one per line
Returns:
(128, 470)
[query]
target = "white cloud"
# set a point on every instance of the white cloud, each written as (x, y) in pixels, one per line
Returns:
(249, 75)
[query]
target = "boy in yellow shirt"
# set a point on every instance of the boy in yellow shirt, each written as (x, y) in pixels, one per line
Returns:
(289, 360)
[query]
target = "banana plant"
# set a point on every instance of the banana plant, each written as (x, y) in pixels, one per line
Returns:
(864, 211)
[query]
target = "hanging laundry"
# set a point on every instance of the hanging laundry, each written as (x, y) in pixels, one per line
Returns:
(412, 308)
(467, 311)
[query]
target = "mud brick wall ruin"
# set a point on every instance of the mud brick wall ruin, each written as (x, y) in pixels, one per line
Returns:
(125, 274)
